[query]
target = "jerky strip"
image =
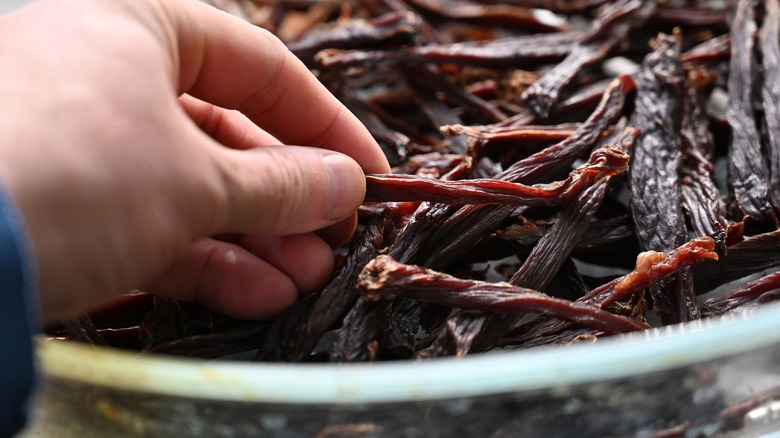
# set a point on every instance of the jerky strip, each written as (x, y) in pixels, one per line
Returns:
(748, 257)
(747, 175)
(559, 157)
(472, 223)
(546, 258)
(388, 30)
(336, 298)
(656, 198)
(651, 267)
(516, 52)
(215, 345)
(756, 292)
(502, 15)
(82, 329)
(770, 50)
(713, 50)
(557, 6)
(383, 277)
(603, 163)
(700, 195)
(607, 30)
(430, 77)
(492, 139)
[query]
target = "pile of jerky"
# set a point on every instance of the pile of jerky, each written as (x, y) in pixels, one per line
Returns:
(563, 171)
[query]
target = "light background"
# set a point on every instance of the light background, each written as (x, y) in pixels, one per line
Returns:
(10, 5)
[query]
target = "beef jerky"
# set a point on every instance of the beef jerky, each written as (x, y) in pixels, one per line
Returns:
(384, 276)
(215, 345)
(517, 52)
(603, 163)
(501, 15)
(770, 50)
(712, 50)
(700, 195)
(81, 328)
(335, 300)
(752, 255)
(669, 18)
(607, 30)
(762, 290)
(656, 198)
(543, 263)
(747, 175)
(651, 267)
(494, 138)
(389, 30)
(472, 223)
(430, 77)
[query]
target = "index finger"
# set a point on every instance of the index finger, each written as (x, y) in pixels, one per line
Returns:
(233, 64)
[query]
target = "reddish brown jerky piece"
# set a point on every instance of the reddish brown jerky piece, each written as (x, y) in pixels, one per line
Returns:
(389, 30)
(763, 290)
(384, 276)
(651, 267)
(604, 162)
(519, 51)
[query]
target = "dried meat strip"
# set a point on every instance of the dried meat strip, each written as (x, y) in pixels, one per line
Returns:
(81, 328)
(770, 51)
(608, 29)
(216, 344)
(502, 15)
(384, 277)
(335, 300)
(753, 255)
(747, 175)
(603, 163)
(756, 292)
(656, 195)
(651, 267)
(541, 265)
(558, 158)
(472, 223)
(712, 50)
(700, 195)
(389, 30)
(430, 77)
(710, 19)
(547, 257)
(516, 52)
(557, 6)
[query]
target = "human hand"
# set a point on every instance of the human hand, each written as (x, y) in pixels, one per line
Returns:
(120, 144)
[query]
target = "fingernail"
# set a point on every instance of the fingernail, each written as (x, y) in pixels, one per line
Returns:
(347, 185)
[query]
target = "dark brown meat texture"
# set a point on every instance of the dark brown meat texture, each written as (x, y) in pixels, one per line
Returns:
(608, 29)
(497, 120)
(386, 277)
(651, 267)
(770, 55)
(700, 195)
(656, 198)
(605, 162)
(747, 173)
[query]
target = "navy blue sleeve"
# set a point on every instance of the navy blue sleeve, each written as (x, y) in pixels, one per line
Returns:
(18, 318)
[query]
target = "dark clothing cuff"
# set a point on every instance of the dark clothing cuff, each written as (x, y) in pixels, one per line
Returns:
(18, 318)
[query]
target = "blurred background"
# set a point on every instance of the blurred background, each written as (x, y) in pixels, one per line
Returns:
(10, 5)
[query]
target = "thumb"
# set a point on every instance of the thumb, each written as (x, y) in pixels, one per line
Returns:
(284, 190)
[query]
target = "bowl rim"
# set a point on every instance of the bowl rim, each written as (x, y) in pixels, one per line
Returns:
(500, 372)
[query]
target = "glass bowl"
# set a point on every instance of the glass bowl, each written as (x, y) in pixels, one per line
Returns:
(715, 377)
